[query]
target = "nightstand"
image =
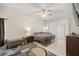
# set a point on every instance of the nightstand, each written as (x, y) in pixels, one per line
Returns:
(28, 39)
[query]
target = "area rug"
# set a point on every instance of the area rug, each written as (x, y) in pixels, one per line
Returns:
(33, 45)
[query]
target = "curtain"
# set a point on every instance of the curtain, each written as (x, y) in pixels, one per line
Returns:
(1, 32)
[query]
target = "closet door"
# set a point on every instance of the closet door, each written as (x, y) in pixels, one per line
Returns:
(1, 32)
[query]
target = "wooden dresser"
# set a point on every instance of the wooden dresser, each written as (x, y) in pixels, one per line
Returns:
(72, 46)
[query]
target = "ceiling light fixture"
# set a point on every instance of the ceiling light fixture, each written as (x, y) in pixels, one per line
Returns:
(45, 12)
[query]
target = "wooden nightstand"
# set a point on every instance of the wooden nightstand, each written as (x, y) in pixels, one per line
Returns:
(28, 39)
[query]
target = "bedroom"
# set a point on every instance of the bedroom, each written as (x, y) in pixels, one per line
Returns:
(22, 18)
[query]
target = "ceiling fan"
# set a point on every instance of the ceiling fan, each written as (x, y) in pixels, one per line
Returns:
(43, 10)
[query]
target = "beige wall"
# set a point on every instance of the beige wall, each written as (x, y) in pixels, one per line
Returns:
(73, 26)
(17, 22)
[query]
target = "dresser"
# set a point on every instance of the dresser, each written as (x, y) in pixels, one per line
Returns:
(72, 45)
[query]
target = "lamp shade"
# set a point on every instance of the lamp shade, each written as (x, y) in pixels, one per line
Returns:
(28, 29)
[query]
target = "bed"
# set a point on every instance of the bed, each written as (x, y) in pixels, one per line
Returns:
(44, 38)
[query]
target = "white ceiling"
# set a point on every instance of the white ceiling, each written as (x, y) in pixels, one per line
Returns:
(58, 9)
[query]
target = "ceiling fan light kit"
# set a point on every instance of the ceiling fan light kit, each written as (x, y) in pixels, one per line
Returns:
(45, 12)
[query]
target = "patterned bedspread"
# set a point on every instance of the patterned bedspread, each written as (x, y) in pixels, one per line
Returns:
(44, 37)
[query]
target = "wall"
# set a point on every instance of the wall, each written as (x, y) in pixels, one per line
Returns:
(73, 26)
(17, 22)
